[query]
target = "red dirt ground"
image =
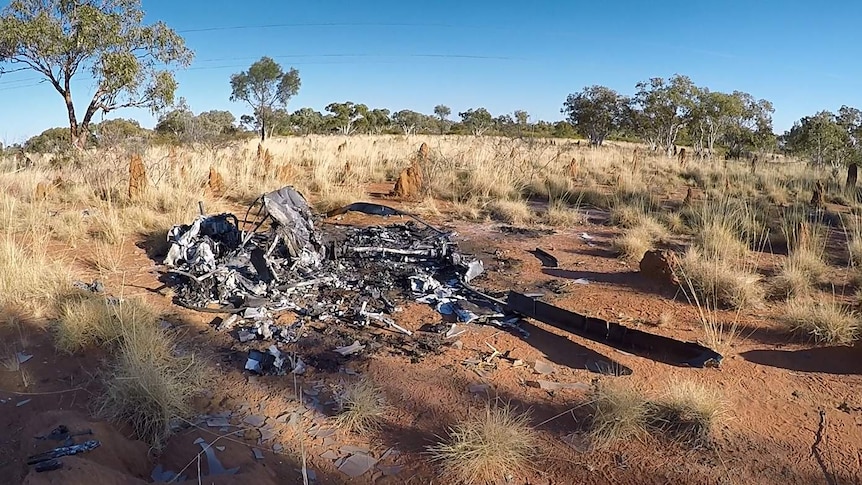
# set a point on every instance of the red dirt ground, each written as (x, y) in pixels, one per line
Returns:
(775, 389)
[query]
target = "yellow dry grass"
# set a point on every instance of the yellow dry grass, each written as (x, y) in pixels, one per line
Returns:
(620, 412)
(487, 447)
(826, 321)
(362, 407)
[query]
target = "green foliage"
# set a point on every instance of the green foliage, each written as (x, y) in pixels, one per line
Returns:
(52, 140)
(376, 120)
(442, 112)
(307, 121)
(118, 130)
(409, 121)
(265, 86)
(826, 139)
(661, 108)
(345, 115)
(478, 120)
(106, 38)
(595, 112)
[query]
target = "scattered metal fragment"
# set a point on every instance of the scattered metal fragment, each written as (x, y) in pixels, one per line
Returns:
(21, 403)
(95, 287)
(255, 420)
(321, 432)
(330, 455)
(548, 260)
(61, 451)
(47, 466)
(351, 349)
(586, 237)
(581, 281)
(62, 433)
(259, 362)
(218, 422)
(348, 449)
(357, 465)
(23, 357)
(258, 455)
(214, 465)
(657, 347)
(543, 367)
(455, 331)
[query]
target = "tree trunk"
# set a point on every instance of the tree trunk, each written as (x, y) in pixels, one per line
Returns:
(850, 186)
(262, 128)
(74, 129)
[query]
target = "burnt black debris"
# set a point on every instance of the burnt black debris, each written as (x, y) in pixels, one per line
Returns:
(353, 276)
(340, 280)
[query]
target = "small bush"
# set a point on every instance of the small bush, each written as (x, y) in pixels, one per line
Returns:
(150, 383)
(86, 319)
(486, 447)
(634, 243)
(619, 412)
(825, 322)
(716, 283)
(361, 407)
(510, 211)
(688, 411)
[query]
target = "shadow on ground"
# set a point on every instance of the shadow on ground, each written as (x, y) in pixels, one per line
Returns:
(827, 360)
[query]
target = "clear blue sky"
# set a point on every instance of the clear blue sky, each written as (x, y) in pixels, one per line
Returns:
(804, 56)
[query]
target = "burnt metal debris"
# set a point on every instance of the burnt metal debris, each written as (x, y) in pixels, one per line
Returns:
(288, 263)
(638, 342)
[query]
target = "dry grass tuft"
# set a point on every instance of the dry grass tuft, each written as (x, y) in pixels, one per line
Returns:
(150, 383)
(688, 411)
(634, 243)
(620, 412)
(718, 241)
(823, 321)
(799, 273)
(716, 283)
(487, 447)
(86, 320)
(559, 214)
(515, 212)
(362, 407)
(29, 277)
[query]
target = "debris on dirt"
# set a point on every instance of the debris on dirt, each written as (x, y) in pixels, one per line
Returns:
(214, 465)
(357, 465)
(543, 367)
(586, 237)
(656, 347)
(23, 357)
(581, 281)
(547, 259)
(61, 451)
(526, 231)
(95, 287)
(21, 403)
(62, 433)
(351, 349)
(661, 266)
(348, 276)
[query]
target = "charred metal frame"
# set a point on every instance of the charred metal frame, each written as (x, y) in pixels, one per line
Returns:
(638, 342)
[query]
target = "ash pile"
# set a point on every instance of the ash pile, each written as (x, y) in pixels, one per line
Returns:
(355, 277)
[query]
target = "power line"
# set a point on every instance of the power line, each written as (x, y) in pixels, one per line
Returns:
(315, 24)
(430, 56)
